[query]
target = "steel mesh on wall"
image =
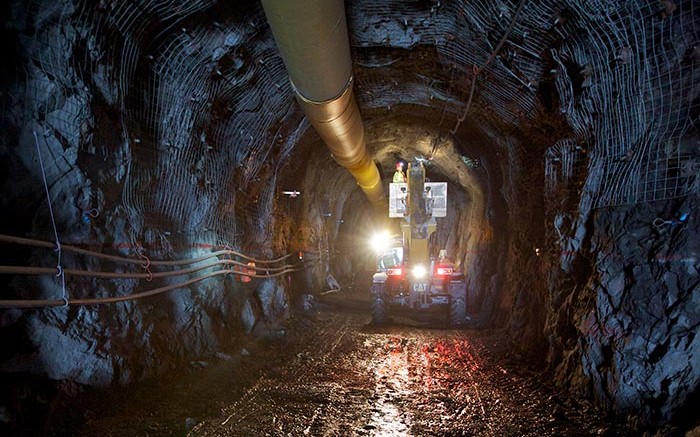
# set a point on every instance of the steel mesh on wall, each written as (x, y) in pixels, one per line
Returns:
(176, 83)
(196, 104)
(629, 89)
(564, 165)
(626, 75)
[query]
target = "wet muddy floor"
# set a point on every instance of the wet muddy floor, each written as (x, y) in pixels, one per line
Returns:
(333, 374)
(400, 380)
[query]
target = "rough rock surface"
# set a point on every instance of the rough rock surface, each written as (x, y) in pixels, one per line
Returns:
(169, 131)
(628, 335)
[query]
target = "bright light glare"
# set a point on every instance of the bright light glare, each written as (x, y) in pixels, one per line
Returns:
(380, 241)
(419, 271)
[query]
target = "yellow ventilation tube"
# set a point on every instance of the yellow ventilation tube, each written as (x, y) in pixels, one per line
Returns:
(313, 41)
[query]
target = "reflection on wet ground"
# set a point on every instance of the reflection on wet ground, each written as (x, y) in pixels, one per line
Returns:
(338, 376)
(401, 380)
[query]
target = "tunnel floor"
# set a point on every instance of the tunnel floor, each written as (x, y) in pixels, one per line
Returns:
(333, 374)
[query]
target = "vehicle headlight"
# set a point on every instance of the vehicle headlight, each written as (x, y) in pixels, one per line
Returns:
(380, 241)
(419, 271)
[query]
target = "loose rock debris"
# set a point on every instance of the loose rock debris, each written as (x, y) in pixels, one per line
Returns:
(351, 378)
(336, 375)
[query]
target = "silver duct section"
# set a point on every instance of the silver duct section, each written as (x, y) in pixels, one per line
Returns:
(312, 37)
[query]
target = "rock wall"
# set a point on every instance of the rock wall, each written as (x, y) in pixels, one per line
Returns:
(116, 187)
(626, 330)
(169, 133)
(622, 292)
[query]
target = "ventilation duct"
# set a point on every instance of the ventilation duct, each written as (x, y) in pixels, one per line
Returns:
(312, 38)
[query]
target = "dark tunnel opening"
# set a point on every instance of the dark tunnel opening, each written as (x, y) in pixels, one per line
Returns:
(174, 214)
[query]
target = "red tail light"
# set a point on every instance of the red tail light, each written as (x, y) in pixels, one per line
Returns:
(443, 271)
(394, 272)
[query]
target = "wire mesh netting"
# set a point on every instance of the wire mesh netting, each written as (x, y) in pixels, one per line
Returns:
(192, 100)
(468, 34)
(564, 164)
(166, 87)
(626, 75)
(628, 84)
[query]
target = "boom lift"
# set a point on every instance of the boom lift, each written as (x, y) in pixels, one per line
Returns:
(406, 276)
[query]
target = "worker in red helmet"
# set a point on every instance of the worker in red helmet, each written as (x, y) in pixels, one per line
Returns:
(399, 175)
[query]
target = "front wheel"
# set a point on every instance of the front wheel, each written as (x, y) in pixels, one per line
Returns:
(458, 312)
(378, 311)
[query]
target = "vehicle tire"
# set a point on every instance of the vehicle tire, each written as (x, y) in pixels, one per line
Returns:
(458, 312)
(378, 311)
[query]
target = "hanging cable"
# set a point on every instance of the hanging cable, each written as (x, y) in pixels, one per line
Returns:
(59, 268)
(40, 303)
(23, 270)
(74, 249)
(95, 301)
(478, 70)
(140, 295)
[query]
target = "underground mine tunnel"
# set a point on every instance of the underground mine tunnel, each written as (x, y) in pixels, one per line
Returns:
(189, 189)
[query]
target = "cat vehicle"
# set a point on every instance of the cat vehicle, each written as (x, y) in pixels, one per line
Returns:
(406, 276)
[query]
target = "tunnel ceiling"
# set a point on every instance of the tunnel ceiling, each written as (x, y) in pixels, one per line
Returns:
(169, 128)
(194, 98)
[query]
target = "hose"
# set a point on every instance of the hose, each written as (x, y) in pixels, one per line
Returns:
(23, 270)
(74, 249)
(277, 271)
(139, 295)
